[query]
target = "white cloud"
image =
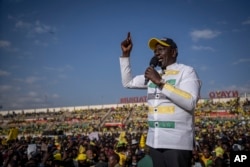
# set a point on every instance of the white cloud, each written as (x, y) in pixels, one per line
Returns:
(53, 69)
(12, 99)
(196, 47)
(4, 73)
(40, 28)
(7, 46)
(39, 43)
(246, 22)
(59, 69)
(4, 88)
(36, 99)
(240, 88)
(32, 94)
(4, 44)
(244, 88)
(33, 28)
(204, 34)
(23, 25)
(241, 61)
(29, 100)
(55, 96)
(32, 79)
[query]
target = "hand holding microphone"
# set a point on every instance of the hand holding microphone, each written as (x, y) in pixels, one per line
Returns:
(151, 73)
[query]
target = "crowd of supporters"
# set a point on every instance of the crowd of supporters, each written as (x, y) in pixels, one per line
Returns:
(80, 138)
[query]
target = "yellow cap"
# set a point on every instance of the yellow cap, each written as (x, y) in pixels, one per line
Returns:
(164, 41)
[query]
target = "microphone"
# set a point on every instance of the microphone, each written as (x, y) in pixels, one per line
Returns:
(153, 63)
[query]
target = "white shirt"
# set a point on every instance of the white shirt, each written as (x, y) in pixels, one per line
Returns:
(171, 110)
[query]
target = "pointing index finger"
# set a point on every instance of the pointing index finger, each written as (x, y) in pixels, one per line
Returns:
(128, 37)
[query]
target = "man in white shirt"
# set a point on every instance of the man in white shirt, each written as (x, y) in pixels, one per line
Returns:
(172, 94)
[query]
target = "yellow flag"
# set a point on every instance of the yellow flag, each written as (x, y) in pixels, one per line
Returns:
(122, 138)
(142, 141)
(123, 158)
(82, 149)
(12, 134)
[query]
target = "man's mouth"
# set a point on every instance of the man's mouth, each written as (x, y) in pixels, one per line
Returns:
(160, 59)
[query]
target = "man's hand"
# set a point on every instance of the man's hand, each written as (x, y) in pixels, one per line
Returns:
(127, 46)
(153, 75)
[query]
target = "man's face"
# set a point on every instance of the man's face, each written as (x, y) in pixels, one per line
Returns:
(90, 154)
(111, 161)
(206, 153)
(166, 55)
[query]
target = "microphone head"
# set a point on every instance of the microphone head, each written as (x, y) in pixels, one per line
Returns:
(154, 61)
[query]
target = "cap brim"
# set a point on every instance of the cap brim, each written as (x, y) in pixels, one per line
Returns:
(153, 41)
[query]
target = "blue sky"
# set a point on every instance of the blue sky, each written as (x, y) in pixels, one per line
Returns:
(66, 53)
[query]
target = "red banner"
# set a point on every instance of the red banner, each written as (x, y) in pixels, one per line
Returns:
(114, 124)
(223, 94)
(141, 99)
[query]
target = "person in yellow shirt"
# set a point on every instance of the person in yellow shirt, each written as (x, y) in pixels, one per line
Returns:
(219, 151)
(206, 157)
(82, 160)
(120, 150)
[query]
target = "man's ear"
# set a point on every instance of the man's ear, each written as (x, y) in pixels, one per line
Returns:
(174, 52)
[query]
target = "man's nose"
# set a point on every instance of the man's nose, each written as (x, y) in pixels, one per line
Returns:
(156, 53)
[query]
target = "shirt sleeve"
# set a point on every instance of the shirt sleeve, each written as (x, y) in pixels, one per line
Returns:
(187, 93)
(129, 81)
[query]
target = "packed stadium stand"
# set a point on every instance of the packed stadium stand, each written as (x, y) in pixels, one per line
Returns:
(131, 117)
(221, 126)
